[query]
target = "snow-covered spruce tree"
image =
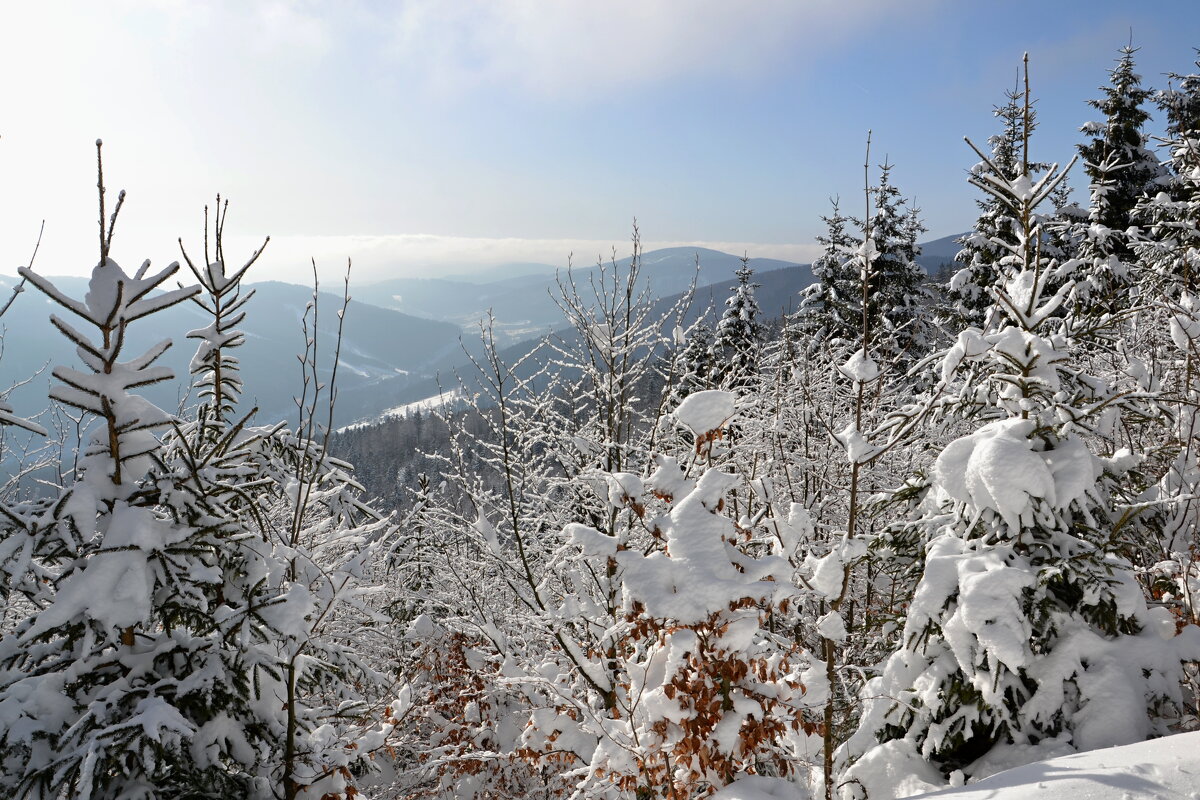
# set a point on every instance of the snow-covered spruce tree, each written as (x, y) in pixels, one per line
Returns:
(830, 313)
(1181, 102)
(737, 342)
(1169, 253)
(815, 436)
(292, 564)
(1117, 157)
(696, 366)
(984, 248)
(1028, 634)
(216, 371)
(107, 686)
(833, 572)
(1162, 343)
(1092, 254)
(151, 665)
(895, 296)
(831, 310)
(1122, 171)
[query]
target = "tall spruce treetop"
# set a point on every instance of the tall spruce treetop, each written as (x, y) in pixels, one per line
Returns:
(831, 308)
(985, 246)
(1117, 159)
(216, 370)
(697, 360)
(739, 334)
(1181, 103)
(1170, 255)
(1122, 170)
(895, 296)
(831, 312)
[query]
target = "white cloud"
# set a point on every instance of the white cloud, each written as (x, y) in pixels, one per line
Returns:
(287, 106)
(558, 48)
(289, 26)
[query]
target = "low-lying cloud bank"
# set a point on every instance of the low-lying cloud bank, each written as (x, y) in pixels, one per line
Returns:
(289, 258)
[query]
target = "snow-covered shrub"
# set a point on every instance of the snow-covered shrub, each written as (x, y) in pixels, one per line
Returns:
(546, 442)
(709, 688)
(458, 720)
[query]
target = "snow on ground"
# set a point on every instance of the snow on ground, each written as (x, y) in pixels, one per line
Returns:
(1160, 769)
(755, 787)
(427, 404)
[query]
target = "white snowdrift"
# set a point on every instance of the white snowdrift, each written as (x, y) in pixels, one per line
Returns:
(1160, 769)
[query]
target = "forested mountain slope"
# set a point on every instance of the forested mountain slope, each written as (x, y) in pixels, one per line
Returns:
(377, 344)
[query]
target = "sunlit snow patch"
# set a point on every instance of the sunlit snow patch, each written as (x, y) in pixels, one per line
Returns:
(428, 404)
(1160, 769)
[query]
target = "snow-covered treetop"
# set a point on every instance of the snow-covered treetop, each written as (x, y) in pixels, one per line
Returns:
(114, 299)
(216, 369)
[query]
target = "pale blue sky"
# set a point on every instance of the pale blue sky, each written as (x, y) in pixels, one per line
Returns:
(425, 135)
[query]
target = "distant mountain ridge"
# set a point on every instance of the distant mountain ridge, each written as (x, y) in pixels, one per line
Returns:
(513, 270)
(378, 343)
(938, 254)
(780, 285)
(778, 293)
(523, 305)
(400, 334)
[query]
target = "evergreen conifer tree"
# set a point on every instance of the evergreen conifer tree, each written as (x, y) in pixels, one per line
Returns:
(1122, 170)
(1027, 626)
(1169, 256)
(107, 686)
(293, 545)
(697, 358)
(830, 311)
(738, 339)
(294, 566)
(159, 657)
(985, 246)
(1181, 103)
(895, 294)
(1117, 159)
